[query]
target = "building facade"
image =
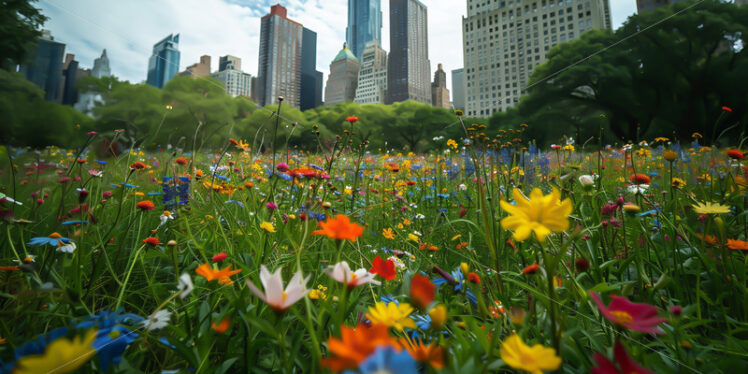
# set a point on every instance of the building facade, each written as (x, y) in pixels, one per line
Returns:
(229, 62)
(101, 66)
(372, 75)
(458, 89)
(408, 65)
(43, 67)
(311, 79)
(237, 82)
(200, 69)
(71, 74)
(439, 91)
(279, 67)
(364, 24)
(164, 61)
(503, 41)
(343, 78)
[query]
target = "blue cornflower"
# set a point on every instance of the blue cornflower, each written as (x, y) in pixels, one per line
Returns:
(53, 239)
(389, 299)
(459, 280)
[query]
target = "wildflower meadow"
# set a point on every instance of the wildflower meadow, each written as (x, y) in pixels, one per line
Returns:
(491, 255)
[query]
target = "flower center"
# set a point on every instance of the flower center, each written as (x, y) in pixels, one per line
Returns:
(622, 317)
(55, 235)
(284, 296)
(527, 359)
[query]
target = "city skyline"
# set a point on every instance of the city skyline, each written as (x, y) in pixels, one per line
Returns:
(88, 26)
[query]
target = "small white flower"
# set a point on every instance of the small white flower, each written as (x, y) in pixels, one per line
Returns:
(420, 216)
(399, 263)
(638, 188)
(587, 180)
(166, 216)
(462, 187)
(342, 273)
(157, 320)
(274, 295)
(67, 248)
(185, 285)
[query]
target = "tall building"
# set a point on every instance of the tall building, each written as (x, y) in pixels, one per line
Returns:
(647, 5)
(71, 74)
(364, 24)
(101, 66)
(458, 89)
(164, 61)
(372, 75)
(343, 78)
(200, 69)
(279, 67)
(504, 41)
(311, 79)
(408, 65)
(439, 91)
(237, 82)
(44, 66)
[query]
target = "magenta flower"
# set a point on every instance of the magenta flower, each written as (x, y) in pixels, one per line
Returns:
(271, 205)
(637, 317)
(627, 365)
(282, 167)
(92, 133)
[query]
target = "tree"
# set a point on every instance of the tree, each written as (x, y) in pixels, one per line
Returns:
(20, 27)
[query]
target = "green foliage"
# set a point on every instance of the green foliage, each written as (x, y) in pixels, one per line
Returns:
(20, 26)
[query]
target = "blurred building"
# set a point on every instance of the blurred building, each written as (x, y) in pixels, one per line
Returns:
(101, 66)
(43, 67)
(458, 88)
(71, 74)
(408, 65)
(343, 78)
(164, 61)
(200, 69)
(87, 99)
(229, 62)
(439, 91)
(279, 67)
(364, 24)
(237, 82)
(372, 75)
(503, 41)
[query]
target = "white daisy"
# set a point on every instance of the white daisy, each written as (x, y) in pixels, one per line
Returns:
(185, 285)
(157, 320)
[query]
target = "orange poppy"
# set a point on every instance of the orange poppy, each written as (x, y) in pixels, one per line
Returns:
(422, 291)
(181, 161)
(355, 345)
(640, 179)
(152, 241)
(735, 154)
(145, 205)
(431, 354)
(737, 244)
(222, 326)
(222, 275)
(340, 227)
(137, 165)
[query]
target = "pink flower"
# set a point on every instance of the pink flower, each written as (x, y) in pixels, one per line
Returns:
(637, 317)
(282, 167)
(92, 133)
(64, 179)
(604, 366)
(271, 205)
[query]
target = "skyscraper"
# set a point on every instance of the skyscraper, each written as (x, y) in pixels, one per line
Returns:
(199, 69)
(439, 91)
(279, 67)
(44, 66)
(408, 65)
(71, 73)
(372, 75)
(503, 42)
(343, 78)
(311, 79)
(101, 66)
(237, 82)
(647, 5)
(364, 24)
(458, 89)
(88, 98)
(164, 61)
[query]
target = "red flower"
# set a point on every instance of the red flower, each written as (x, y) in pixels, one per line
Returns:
(145, 205)
(735, 154)
(622, 359)
(473, 278)
(386, 269)
(422, 291)
(220, 257)
(181, 161)
(727, 109)
(531, 269)
(637, 317)
(640, 179)
(152, 241)
(137, 165)
(352, 119)
(582, 264)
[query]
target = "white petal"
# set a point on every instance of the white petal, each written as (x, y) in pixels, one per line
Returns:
(256, 291)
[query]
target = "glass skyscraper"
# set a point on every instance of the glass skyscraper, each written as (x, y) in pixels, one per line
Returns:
(44, 66)
(364, 24)
(164, 62)
(408, 65)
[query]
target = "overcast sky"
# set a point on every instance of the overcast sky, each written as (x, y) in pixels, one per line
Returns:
(128, 29)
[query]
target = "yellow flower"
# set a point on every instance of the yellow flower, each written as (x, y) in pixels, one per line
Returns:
(533, 359)
(388, 233)
(631, 208)
(392, 315)
(539, 214)
(452, 144)
(60, 356)
(267, 226)
(710, 208)
(669, 155)
(438, 316)
(413, 237)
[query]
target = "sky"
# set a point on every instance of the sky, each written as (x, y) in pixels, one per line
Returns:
(128, 29)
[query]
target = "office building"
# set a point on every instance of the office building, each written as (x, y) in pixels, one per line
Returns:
(364, 24)
(237, 82)
(279, 67)
(408, 65)
(503, 41)
(229, 62)
(199, 69)
(343, 78)
(164, 61)
(101, 66)
(71, 74)
(43, 67)
(372, 75)
(439, 91)
(311, 79)
(458, 89)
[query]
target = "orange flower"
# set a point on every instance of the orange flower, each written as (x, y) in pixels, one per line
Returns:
(640, 179)
(340, 228)
(431, 354)
(145, 205)
(421, 291)
(352, 119)
(222, 276)
(137, 165)
(355, 345)
(735, 154)
(9, 268)
(473, 278)
(181, 161)
(152, 241)
(737, 244)
(531, 269)
(222, 326)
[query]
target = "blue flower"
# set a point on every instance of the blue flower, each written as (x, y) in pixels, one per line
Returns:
(389, 299)
(235, 202)
(73, 222)
(53, 240)
(316, 167)
(386, 359)
(101, 162)
(459, 280)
